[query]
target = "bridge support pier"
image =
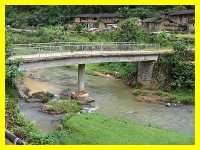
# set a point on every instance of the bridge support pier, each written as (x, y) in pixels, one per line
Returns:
(144, 75)
(81, 72)
(81, 95)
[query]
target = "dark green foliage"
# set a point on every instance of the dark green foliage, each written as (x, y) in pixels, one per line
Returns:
(181, 70)
(31, 16)
(26, 16)
(139, 12)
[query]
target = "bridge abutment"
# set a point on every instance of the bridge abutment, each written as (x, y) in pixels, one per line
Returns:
(145, 70)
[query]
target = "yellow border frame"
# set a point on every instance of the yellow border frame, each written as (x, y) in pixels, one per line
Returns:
(102, 2)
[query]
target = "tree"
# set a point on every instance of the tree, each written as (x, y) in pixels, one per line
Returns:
(140, 12)
(129, 30)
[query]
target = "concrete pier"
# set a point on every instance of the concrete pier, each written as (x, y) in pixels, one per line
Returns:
(81, 72)
(145, 70)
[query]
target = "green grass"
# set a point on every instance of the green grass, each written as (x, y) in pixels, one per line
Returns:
(63, 106)
(117, 69)
(185, 96)
(187, 36)
(99, 129)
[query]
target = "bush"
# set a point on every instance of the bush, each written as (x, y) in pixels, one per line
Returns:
(12, 70)
(62, 106)
(129, 30)
(163, 39)
(181, 71)
(51, 33)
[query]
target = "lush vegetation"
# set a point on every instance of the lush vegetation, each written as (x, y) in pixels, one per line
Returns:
(181, 69)
(33, 16)
(16, 123)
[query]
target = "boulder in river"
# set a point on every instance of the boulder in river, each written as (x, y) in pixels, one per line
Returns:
(41, 96)
(81, 96)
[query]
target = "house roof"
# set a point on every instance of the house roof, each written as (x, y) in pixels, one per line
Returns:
(100, 15)
(157, 20)
(183, 12)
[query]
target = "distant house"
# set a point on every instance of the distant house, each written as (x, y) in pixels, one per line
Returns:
(177, 21)
(159, 24)
(100, 20)
(185, 18)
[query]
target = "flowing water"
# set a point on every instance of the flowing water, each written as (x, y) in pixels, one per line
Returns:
(112, 98)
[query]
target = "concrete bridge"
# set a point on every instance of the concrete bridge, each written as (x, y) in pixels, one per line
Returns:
(44, 55)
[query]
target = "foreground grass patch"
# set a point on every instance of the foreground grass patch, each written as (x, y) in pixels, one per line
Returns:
(99, 129)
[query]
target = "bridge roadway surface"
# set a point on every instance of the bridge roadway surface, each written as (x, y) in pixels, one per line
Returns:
(53, 59)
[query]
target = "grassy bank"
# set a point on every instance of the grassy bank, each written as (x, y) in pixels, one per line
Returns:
(184, 96)
(99, 129)
(118, 69)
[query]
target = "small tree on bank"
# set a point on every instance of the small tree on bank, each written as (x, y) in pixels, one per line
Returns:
(130, 30)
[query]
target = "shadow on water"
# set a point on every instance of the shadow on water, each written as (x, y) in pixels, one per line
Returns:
(112, 98)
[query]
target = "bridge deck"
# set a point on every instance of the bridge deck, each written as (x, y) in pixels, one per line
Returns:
(85, 54)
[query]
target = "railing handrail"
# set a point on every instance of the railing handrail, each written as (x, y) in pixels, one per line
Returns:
(38, 48)
(80, 43)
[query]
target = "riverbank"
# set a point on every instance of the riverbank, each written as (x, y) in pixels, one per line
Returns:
(88, 128)
(109, 70)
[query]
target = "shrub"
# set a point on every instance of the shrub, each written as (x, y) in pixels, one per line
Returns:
(12, 70)
(62, 106)
(181, 71)
(129, 30)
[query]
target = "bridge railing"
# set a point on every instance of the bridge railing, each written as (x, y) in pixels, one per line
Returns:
(56, 47)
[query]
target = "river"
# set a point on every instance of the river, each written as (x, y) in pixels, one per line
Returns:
(112, 98)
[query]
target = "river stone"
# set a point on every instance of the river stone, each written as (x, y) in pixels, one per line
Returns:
(23, 91)
(41, 96)
(81, 96)
(168, 104)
